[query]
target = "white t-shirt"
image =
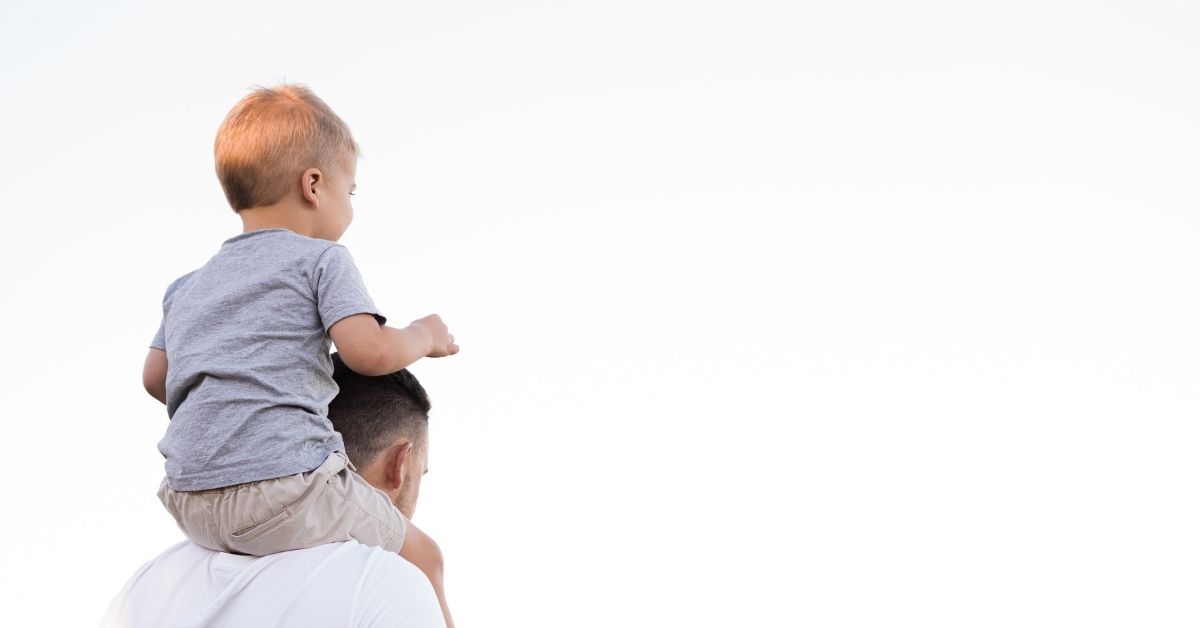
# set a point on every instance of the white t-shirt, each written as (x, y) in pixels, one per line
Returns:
(339, 584)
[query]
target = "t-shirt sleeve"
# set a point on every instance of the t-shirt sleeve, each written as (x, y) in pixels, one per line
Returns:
(160, 337)
(340, 289)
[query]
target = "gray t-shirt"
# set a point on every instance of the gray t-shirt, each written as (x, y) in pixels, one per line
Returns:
(249, 376)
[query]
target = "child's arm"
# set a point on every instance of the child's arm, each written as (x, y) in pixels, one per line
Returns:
(154, 374)
(421, 550)
(373, 349)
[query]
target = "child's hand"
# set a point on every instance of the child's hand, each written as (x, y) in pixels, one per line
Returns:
(443, 341)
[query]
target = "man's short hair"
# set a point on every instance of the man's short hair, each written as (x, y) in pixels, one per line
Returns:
(272, 136)
(373, 412)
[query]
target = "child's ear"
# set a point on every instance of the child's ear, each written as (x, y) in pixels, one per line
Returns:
(310, 183)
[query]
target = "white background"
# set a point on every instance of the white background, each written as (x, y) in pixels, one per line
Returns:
(802, 314)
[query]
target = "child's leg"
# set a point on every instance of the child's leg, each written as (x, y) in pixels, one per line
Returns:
(193, 514)
(326, 505)
(421, 550)
(288, 513)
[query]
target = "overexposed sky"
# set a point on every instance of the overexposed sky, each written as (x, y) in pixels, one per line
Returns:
(801, 314)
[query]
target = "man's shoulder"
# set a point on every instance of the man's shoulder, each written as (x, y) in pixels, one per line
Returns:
(348, 560)
(342, 579)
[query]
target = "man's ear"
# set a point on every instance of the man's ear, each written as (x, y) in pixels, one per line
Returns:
(310, 183)
(395, 464)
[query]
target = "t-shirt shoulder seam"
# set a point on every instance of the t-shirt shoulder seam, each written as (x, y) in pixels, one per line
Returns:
(174, 286)
(312, 272)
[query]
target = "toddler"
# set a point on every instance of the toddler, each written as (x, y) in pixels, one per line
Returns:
(241, 359)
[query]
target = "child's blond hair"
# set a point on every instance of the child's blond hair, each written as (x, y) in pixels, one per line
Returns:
(270, 137)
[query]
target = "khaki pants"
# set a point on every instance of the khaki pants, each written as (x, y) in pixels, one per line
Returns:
(329, 504)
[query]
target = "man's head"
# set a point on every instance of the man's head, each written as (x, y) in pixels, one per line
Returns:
(384, 422)
(271, 142)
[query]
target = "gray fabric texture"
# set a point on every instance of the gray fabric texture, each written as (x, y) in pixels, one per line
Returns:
(250, 379)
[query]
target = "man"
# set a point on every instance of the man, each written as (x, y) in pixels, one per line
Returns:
(384, 423)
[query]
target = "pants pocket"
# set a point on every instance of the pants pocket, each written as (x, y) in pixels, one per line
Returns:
(251, 511)
(255, 530)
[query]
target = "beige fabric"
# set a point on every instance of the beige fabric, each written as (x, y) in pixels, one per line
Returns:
(326, 505)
